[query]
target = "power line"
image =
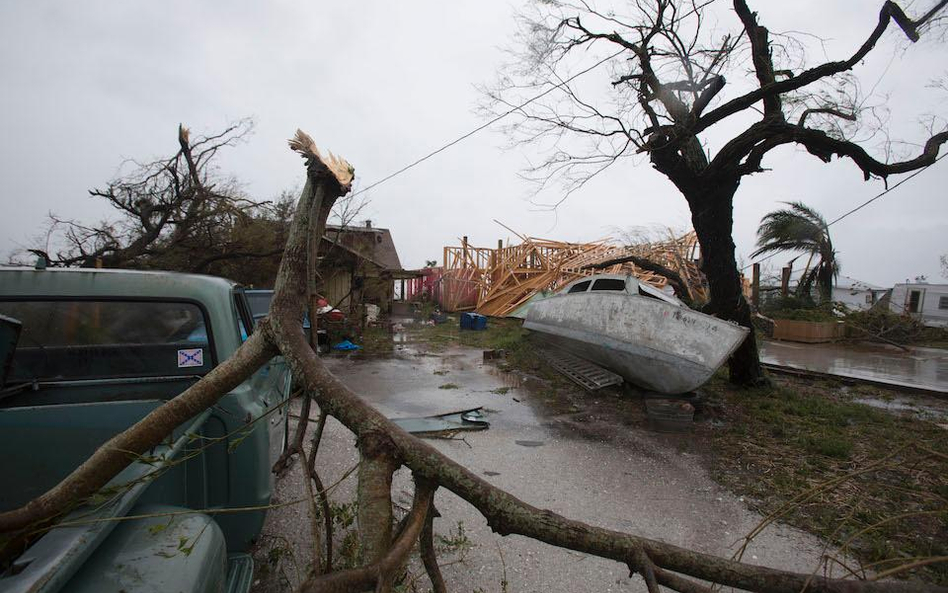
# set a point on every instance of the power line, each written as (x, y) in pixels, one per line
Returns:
(510, 111)
(861, 206)
(887, 190)
(486, 125)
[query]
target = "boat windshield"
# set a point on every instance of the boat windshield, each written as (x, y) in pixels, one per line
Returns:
(609, 284)
(654, 293)
(579, 287)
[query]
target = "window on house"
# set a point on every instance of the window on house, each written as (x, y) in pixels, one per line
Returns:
(943, 302)
(869, 299)
(579, 287)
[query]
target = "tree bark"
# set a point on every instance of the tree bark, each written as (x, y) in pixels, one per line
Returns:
(712, 217)
(428, 555)
(380, 572)
(376, 467)
(710, 199)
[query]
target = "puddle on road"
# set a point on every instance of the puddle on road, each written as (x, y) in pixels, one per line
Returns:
(923, 367)
(530, 443)
(413, 382)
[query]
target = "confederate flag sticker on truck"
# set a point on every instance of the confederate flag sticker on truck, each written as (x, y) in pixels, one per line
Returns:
(191, 357)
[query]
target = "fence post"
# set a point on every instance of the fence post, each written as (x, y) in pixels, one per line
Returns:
(755, 287)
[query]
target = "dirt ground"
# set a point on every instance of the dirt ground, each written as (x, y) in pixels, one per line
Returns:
(587, 456)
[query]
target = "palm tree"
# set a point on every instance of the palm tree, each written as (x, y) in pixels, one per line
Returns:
(800, 228)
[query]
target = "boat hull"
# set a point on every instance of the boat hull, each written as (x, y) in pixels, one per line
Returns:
(651, 343)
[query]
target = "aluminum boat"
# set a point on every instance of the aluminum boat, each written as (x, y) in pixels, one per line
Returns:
(636, 330)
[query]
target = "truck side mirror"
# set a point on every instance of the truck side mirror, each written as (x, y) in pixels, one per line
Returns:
(9, 336)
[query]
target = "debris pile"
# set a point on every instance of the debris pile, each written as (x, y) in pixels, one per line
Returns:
(496, 282)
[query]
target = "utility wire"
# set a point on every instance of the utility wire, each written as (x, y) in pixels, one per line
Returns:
(496, 119)
(486, 125)
(861, 206)
(871, 200)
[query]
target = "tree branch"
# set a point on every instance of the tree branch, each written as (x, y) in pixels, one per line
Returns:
(428, 555)
(359, 579)
(203, 264)
(760, 54)
(762, 137)
(890, 11)
(119, 451)
(829, 110)
(643, 565)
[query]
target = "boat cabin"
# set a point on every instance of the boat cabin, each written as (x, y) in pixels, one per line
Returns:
(618, 283)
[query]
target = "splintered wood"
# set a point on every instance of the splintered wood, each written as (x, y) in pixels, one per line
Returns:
(497, 281)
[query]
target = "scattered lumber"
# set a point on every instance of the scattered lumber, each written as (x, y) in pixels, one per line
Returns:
(497, 281)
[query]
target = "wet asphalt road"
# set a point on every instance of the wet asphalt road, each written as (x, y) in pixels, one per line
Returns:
(599, 471)
(925, 368)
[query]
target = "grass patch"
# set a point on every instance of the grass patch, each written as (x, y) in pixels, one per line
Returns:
(501, 334)
(782, 444)
(504, 334)
(500, 391)
(455, 542)
(376, 341)
(449, 386)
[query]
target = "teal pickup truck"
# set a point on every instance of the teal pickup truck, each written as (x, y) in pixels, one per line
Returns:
(93, 352)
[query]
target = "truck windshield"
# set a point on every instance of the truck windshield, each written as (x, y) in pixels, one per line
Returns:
(84, 339)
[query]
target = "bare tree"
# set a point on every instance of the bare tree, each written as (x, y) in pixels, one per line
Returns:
(384, 448)
(179, 213)
(667, 94)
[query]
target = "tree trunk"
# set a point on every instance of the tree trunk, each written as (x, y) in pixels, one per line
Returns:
(712, 216)
(375, 494)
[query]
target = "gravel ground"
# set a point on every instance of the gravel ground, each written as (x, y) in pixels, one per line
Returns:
(576, 459)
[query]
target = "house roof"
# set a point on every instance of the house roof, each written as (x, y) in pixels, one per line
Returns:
(350, 252)
(842, 282)
(371, 243)
(845, 282)
(923, 285)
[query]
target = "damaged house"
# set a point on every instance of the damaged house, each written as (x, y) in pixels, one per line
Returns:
(359, 265)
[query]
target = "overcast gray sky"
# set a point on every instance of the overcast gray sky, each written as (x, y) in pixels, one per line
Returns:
(88, 84)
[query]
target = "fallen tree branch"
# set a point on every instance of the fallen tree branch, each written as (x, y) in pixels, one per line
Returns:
(362, 578)
(321, 490)
(318, 564)
(282, 331)
(505, 513)
(680, 584)
(296, 447)
(428, 556)
(643, 565)
(149, 432)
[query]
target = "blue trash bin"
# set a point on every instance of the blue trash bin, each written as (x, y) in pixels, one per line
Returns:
(473, 321)
(478, 322)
